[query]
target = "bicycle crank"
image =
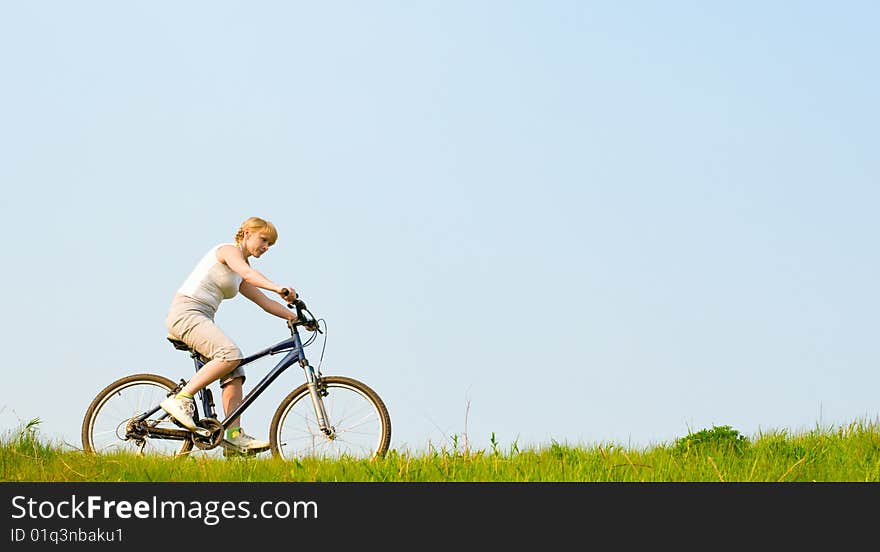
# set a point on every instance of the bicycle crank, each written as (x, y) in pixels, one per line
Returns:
(216, 436)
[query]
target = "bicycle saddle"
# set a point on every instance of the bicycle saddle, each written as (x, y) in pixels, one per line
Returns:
(180, 345)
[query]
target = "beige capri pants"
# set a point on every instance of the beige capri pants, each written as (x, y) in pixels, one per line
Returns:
(192, 322)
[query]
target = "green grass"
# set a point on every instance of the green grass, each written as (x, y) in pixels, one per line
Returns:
(718, 454)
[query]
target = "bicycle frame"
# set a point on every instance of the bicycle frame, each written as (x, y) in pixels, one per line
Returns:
(295, 354)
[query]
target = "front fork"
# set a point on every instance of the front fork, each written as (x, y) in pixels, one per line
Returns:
(317, 390)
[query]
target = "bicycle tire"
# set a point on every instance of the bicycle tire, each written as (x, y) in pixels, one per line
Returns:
(116, 404)
(350, 405)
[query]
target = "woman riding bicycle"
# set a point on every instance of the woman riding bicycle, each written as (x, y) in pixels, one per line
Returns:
(223, 271)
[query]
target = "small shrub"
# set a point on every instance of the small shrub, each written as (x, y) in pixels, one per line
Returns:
(717, 438)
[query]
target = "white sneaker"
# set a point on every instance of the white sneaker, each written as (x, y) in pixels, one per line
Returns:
(246, 443)
(181, 410)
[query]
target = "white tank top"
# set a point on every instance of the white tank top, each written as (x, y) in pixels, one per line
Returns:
(211, 281)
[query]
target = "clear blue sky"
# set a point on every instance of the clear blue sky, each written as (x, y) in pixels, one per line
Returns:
(581, 222)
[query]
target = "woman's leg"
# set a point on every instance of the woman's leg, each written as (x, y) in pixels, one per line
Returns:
(231, 395)
(209, 373)
(181, 406)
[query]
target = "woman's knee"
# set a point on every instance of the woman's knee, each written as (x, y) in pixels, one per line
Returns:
(234, 373)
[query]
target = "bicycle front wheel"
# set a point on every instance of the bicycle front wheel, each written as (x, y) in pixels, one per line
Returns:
(106, 420)
(360, 427)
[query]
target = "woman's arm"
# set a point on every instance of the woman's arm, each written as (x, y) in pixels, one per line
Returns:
(272, 307)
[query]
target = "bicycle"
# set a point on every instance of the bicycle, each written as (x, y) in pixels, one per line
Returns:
(326, 416)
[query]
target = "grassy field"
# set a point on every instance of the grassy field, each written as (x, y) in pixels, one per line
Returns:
(717, 454)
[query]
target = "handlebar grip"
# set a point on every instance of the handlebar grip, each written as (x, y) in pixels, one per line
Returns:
(292, 303)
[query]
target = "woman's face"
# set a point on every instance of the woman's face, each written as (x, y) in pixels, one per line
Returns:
(256, 243)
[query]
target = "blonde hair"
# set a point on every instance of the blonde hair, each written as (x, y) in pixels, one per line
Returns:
(256, 224)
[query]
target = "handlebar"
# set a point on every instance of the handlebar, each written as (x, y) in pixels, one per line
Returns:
(309, 322)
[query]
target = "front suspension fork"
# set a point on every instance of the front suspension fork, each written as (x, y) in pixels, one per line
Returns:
(317, 391)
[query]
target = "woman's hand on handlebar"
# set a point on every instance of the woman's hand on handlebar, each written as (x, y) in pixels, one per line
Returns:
(288, 294)
(308, 323)
(294, 302)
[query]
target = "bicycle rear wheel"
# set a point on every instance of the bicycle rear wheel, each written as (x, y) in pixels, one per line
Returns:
(360, 421)
(104, 425)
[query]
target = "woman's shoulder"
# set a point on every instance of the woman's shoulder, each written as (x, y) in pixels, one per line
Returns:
(224, 251)
(221, 250)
